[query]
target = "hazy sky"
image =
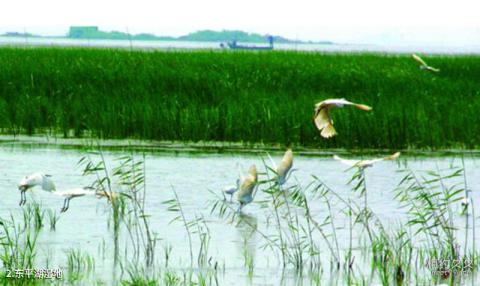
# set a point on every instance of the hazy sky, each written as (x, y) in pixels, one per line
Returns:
(429, 22)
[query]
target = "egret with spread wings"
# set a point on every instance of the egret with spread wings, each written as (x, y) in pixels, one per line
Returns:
(423, 64)
(74, 193)
(81, 192)
(365, 163)
(247, 186)
(323, 119)
(284, 169)
(35, 179)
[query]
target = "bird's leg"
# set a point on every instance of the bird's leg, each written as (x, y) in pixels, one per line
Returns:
(68, 205)
(22, 198)
(239, 208)
(280, 187)
(63, 209)
(231, 196)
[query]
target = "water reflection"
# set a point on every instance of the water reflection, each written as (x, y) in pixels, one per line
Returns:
(246, 226)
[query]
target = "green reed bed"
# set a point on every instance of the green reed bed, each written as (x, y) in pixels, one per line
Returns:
(240, 96)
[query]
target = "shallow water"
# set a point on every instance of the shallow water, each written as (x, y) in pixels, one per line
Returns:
(175, 45)
(84, 226)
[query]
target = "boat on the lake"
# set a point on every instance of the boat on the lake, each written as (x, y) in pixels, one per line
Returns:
(235, 46)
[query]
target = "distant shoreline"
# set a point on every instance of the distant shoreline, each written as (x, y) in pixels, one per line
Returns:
(217, 147)
(160, 39)
(94, 33)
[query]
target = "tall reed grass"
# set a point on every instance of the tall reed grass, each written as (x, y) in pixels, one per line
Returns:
(239, 96)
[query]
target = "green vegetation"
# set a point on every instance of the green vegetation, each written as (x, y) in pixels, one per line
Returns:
(92, 32)
(240, 96)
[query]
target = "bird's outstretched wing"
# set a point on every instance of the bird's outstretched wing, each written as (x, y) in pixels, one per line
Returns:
(329, 131)
(47, 184)
(248, 182)
(324, 122)
(392, 157)
(286, 164)
(373, 161)
(419, 60)
(322, 117)
(75, 192)
(362, 107)
(351, 163)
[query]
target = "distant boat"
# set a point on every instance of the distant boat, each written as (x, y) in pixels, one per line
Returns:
(234, 46)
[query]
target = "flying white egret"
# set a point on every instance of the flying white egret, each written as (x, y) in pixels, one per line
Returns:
(80, 192)
(230, 190)
(74, 193)
(423, 64)
(322, 117)
(247, 186)
(365, 163)
(284, 169)
(35, 179)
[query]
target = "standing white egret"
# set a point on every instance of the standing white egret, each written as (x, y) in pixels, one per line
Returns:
(230, 190)
(365, 163)
(423, 64)
(322, 117)
(35, 179)
(74, 193)
(247, 186)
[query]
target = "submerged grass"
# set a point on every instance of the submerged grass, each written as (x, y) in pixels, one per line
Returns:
(239, 96)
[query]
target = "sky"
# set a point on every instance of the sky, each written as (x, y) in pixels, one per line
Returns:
(388, 22)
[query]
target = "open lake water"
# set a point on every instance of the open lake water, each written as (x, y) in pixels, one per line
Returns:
(84, 226)
(182, 45)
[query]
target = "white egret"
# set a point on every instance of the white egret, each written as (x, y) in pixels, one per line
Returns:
(423, 64)
(284, 169)
(35, 179)
(74, 193)
(80, 192)
(362, 165)
(322, 117)
(230, 190)
(366, 163)
(247, 186)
